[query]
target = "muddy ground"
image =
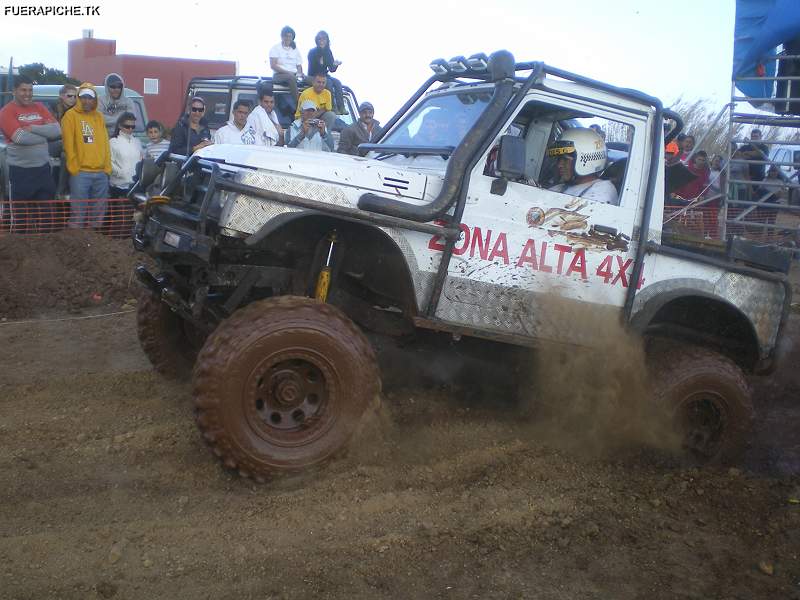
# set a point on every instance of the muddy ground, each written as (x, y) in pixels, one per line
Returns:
(107, 491)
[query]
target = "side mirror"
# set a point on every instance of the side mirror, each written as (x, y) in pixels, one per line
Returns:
(511, 157)
(796, 156)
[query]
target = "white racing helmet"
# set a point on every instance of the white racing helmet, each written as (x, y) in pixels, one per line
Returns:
(586, 146)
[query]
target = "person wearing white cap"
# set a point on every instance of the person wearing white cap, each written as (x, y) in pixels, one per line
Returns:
(364, 131)
(88, 154)
(309, 132)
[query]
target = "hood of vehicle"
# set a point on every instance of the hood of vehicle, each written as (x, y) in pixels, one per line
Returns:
(352, 172)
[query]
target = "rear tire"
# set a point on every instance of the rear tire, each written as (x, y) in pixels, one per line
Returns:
(165, 338)
(708, 399)
(282, 385)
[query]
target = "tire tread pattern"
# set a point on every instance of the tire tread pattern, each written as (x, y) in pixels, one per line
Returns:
(210, 368)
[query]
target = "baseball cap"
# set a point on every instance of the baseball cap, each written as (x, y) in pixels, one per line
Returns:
(87, 92)
(308, 105)
(366, 106)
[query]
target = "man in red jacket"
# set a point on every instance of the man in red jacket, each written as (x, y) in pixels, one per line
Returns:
(28, 126)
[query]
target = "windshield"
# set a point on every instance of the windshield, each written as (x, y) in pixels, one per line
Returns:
(440, 120)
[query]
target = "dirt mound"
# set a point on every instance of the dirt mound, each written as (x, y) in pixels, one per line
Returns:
(68, 270)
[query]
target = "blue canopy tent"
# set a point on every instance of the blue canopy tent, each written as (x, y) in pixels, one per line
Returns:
(762, 26)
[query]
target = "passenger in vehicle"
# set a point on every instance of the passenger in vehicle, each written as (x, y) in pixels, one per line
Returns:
(363, 131)
(309, 132)
(321, 62)
(286, 61)
(263, 127)
(126, 152)
(434, 130)
(191, 132)
(581, 156)
(321, 98)
(234, 132)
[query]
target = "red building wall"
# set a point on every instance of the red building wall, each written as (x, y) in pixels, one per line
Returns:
(91, 59)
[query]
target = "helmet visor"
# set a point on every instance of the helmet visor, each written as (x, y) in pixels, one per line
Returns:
(561, 149)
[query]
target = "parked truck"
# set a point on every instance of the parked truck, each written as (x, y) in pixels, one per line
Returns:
(272, 262)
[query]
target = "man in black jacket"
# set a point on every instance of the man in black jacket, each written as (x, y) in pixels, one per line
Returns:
(191, 132)
(363, 131)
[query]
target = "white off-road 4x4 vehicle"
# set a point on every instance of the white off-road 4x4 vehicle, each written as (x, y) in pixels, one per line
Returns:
(271, 262)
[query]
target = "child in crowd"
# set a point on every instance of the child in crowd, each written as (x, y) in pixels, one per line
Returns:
(157, 145)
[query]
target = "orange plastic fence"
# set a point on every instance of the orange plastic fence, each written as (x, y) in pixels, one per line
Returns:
(114, 216)
(111, 216)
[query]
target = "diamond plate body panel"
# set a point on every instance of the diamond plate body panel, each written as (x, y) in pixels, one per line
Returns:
(423, 280)
(247, 214)
(519, 311)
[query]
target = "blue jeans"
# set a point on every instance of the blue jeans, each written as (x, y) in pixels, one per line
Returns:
(88, 186)
(335, 87)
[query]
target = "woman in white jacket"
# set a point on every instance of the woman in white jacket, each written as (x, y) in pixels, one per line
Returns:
(126, 152)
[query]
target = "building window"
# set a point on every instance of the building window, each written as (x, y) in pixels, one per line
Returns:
(150, 86)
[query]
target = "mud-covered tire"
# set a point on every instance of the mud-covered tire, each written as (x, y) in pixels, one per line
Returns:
(707, 398)
(282, 386)
(163, 338)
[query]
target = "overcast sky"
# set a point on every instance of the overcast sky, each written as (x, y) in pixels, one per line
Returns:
(666, 49)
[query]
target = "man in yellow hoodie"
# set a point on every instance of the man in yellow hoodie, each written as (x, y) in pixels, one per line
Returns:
(88, 155)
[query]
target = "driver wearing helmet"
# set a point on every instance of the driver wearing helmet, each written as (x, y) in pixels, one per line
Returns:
(580, 158)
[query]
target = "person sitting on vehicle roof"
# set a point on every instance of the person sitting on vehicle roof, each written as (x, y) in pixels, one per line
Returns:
(309, 132)
(363, 131)
(321, 62)
(191, 133)
(234, 132)
(321, 98)
(113, 102)
(263, 127)
(286, 61)
(581, 156)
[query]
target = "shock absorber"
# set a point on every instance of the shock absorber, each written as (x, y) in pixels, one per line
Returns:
(324, 277)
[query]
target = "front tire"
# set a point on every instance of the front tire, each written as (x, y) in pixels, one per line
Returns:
(282, 385)
(169, 342)
(708, 400)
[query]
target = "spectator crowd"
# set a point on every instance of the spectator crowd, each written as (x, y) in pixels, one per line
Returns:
(93, 132)
(752, 182)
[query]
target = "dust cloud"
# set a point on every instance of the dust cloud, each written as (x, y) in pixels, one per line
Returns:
(595, 399)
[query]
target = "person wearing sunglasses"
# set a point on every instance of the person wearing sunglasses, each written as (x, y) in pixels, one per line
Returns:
(191, 132)
(88, 156)
(112, 103)
(67, 97)
(126, 152)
